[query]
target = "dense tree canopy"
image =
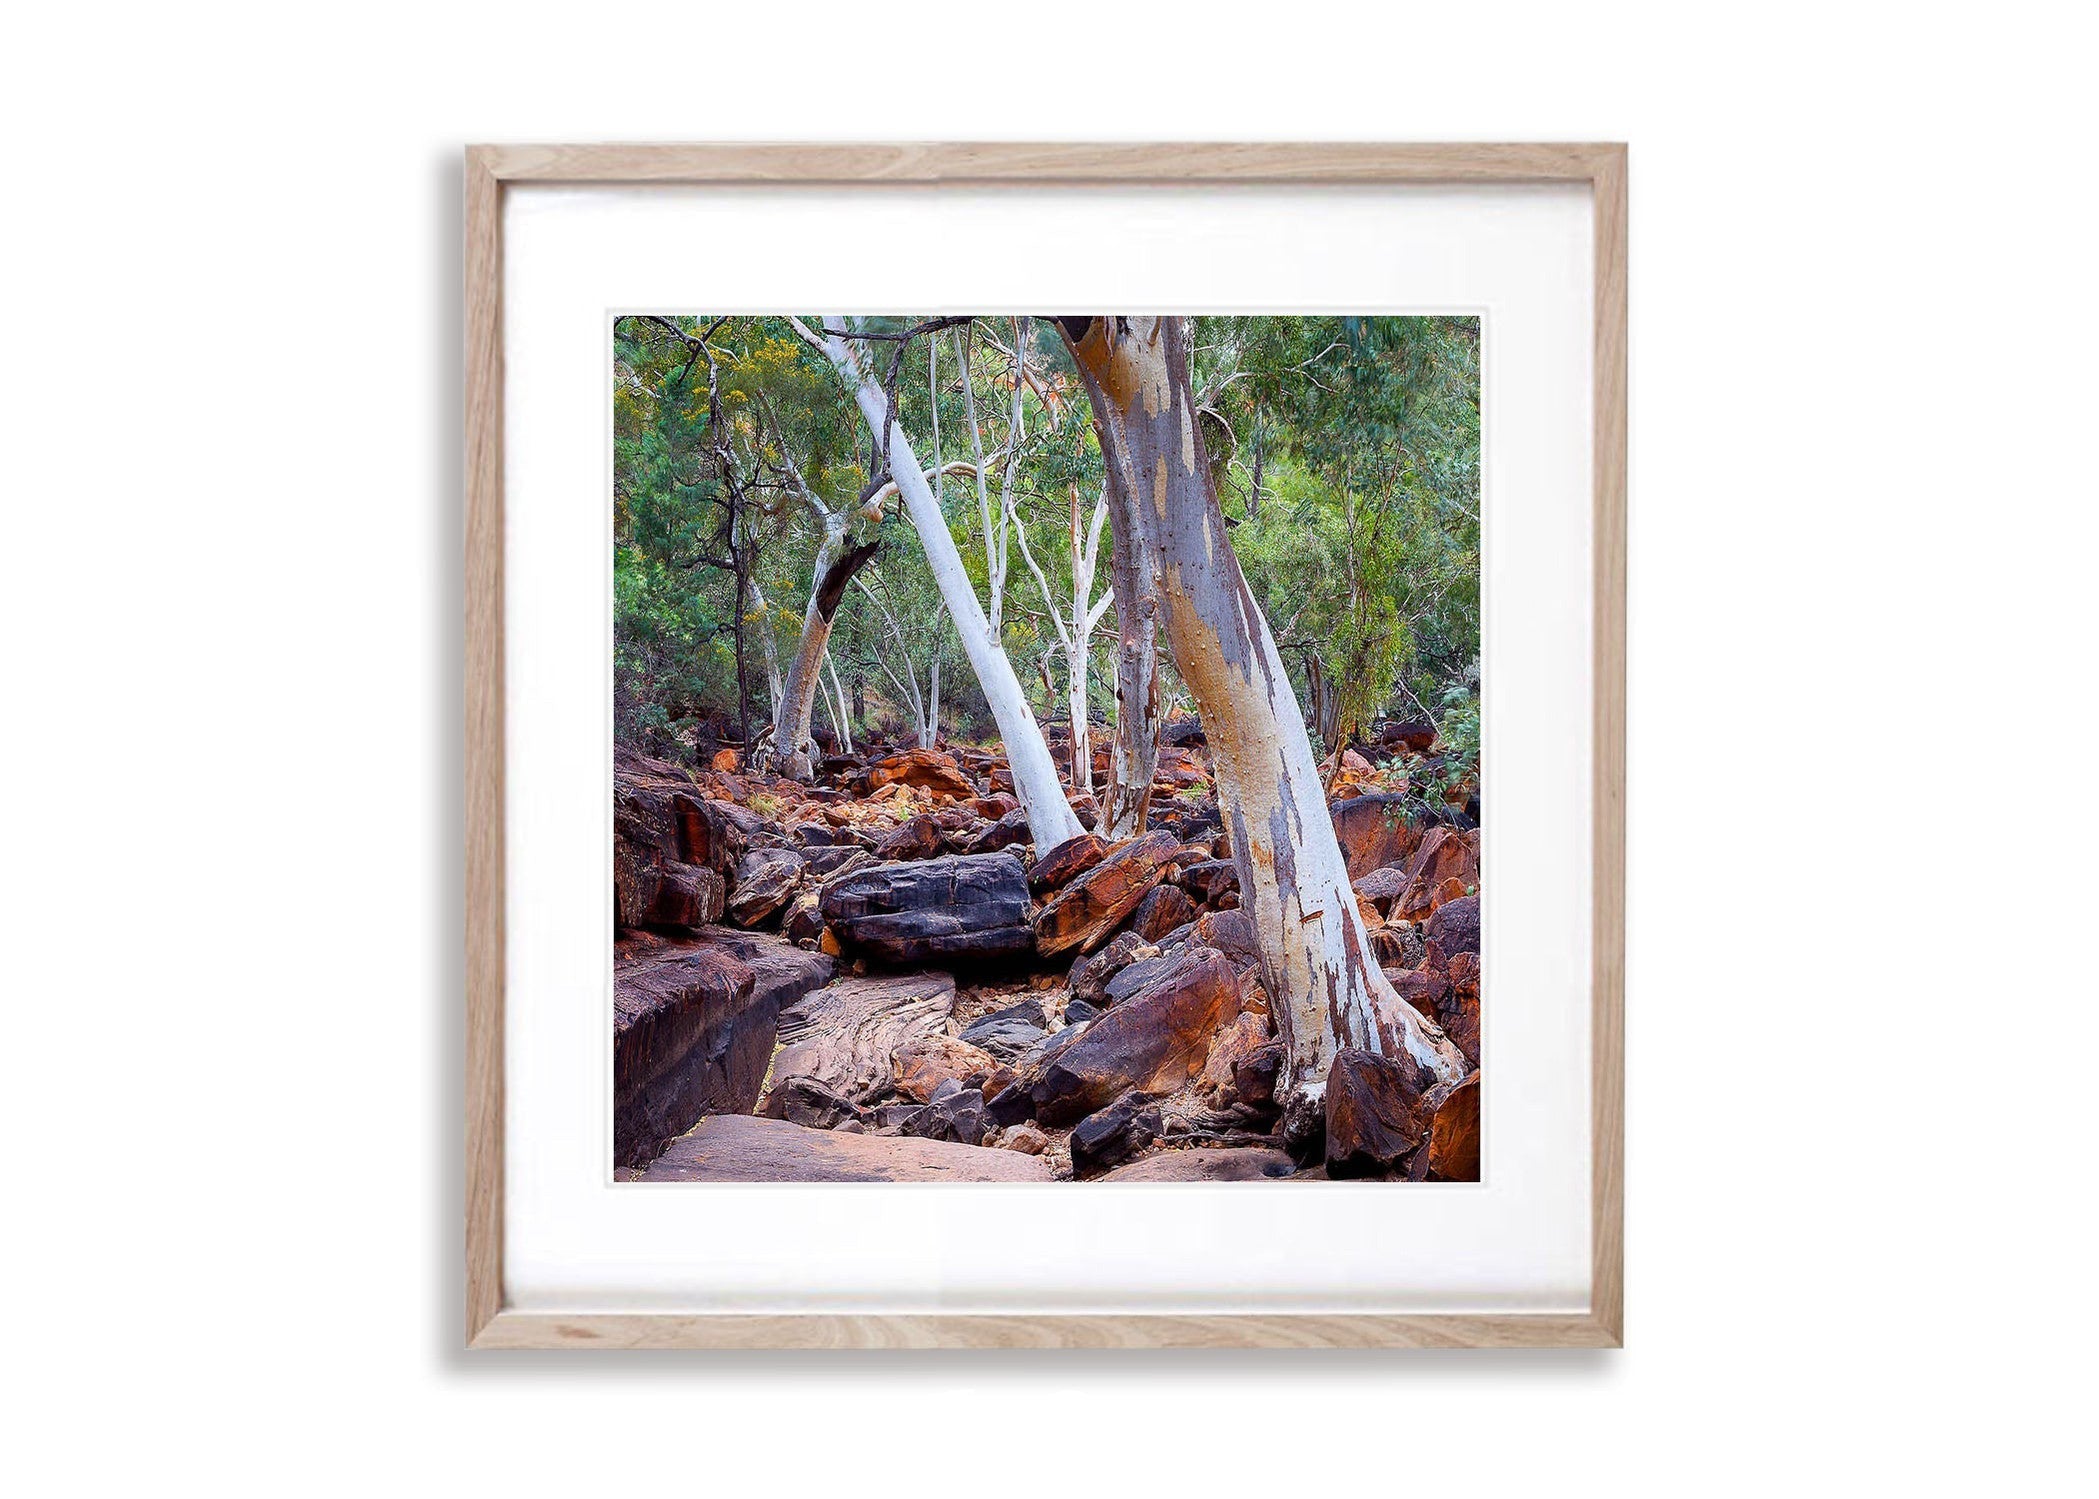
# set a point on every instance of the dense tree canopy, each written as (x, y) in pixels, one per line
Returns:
(1346, 452)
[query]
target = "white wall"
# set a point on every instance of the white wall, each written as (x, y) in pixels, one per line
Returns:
(1862, 993)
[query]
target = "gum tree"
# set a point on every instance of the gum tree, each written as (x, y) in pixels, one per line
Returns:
(1325, 986)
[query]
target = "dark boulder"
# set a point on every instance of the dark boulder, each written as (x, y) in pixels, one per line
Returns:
(1208, 879)
(1010, 1033)
(1377, 1115)
(1455, 926)
(1162, 911)
(1011, 828)
(955, 1112)
(1153, 1042)
(1110, 1136)
(932, 911)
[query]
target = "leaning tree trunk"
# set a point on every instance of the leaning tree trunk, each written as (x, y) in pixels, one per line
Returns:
(793, 750)
(1050, 818)
(1134, 751)
(1324, 986)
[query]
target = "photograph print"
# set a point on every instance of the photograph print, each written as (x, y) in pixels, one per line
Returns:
(1046, 749)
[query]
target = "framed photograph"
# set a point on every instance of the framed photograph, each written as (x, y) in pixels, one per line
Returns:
(1045, 745)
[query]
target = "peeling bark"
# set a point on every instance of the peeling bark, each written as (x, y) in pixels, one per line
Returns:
(1324, 985)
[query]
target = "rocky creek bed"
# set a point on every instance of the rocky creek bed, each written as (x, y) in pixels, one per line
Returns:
(874, 978)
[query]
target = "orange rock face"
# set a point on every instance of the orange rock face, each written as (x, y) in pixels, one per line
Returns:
(1454, 1135)
(1086, 911)
(1445, 868)
(928, 769)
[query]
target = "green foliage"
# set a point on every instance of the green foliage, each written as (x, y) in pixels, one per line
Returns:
(1346, 452)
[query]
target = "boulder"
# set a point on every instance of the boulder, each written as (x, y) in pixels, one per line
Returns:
(1454, 1134)
(1381, 887)
(1010, 1033)
(1078, 1012)
(1413, 735)
(1065, 863)
(1458, 1012)
(839, 858)
(1025, 1138)
(1087, 910)
(1110, 1136)
(764, 881)
(927, 769)
(687, 895)
(1092, 973)
(1153, 1042)
(847, 1034)
(1377, 1115)
(931, 911)
(803, 923)
(923, 1063)
(664, 832)
(1444, 868)
(916, 838)
(1163, 910)
(1242, 1066)
(1223, 1164)
(954, 1112)
(1011, 828)
(1374, 831)
(693, 1028)
(1455, 926)
(1209, 878)
(1231, 933)
(745, 1148)
(811, 1104)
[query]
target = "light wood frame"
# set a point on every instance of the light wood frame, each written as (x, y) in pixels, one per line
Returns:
(489, 171)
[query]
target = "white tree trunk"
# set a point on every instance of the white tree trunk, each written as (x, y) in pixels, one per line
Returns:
(1081, 736)
(793, 750)
(840, 709)
(1050, 818)
(754, 603)
(1325, 989)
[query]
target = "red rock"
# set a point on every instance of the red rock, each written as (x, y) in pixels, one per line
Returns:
(923, 1063)
(1166, 908)
(1086, 911)
(918, 838)
(1374, 831)
(1415, 735)
(725, 760)
(1381, 887)
(928, 769)
(765, 881)
(1065, 863)
(1444, 868)
(1209, 879)
(1376, 1115)
(1242, 1066)
(1422, 988)
(1454, 1134)
(1153, 1042)
(745, 1148)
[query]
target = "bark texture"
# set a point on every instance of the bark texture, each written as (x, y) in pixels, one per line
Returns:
(1324, 984)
